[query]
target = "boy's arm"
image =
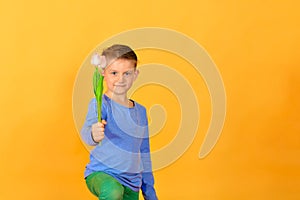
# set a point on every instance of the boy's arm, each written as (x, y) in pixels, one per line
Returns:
(91, 118)
(147, 175)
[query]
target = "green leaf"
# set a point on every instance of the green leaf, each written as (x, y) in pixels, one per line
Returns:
(96, 78)
(98, 90)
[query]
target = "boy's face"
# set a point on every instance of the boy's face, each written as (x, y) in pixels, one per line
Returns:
(119, 76)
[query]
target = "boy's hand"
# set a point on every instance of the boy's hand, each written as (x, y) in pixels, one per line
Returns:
(98, 131)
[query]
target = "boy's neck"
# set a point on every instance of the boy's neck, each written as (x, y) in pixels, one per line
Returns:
(120, 99)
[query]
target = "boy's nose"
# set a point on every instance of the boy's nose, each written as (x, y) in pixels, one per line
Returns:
(121, 78)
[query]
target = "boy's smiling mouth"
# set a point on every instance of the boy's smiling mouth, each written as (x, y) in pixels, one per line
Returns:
(120, 85)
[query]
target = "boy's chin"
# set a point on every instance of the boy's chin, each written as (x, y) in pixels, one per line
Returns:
(119, 92)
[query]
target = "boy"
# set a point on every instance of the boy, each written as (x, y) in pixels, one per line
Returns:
(120, 165)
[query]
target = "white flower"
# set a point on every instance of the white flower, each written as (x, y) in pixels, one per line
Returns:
(95, 60)
(102, 62)
(98, 61)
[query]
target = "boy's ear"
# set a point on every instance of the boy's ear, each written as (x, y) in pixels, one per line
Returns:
(136, 73)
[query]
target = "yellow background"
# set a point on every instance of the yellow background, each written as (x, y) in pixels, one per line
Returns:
(255, 45)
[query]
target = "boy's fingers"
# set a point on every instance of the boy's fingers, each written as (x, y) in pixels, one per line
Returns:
(103, 121)
(99, 124)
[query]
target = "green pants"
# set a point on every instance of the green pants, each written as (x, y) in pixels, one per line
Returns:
(106, 187)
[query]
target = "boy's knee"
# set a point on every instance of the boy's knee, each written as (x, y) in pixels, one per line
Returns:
(115, 195)
(112, 191)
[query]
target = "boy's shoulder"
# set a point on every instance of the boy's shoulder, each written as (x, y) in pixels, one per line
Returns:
(138, 105)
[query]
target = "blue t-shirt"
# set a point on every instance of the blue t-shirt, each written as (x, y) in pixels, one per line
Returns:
(124, 153)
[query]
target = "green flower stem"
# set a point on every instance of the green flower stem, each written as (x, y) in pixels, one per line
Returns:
(99, 110)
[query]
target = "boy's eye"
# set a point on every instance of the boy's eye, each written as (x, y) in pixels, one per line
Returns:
(127, 73)
(114, 73)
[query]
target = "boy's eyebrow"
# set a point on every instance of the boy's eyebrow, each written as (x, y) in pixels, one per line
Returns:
(110, 69)
(129, 70)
